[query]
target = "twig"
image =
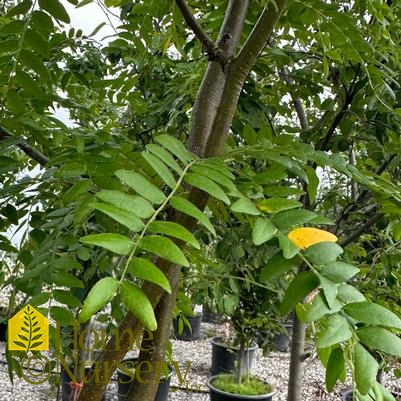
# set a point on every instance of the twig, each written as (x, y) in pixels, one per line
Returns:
(213, 51)
(295, 100)
(27, 149)
(356, 234)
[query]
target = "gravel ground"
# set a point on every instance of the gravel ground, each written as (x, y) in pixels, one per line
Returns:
(197, 354)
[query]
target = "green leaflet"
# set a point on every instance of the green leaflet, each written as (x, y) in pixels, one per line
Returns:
(133, 203)
(298, 289)
(12, 27)
(11, 213)
(122, 216)
(373, 314)
(335, 368)
(365, 369)
(329, 290)
(263, 230)
(313, 182)
(218, 165)
(66, 298)
(338, 272)
(173, 230)
(138, 303)
(79, 188)
(163, 247)
(337, 331)
(66, 263)
(97, 29)
(278, 265)
(66, 279)
(175, 147)
(165, 156)
(55, 9)
(62, 315)
(323, 253)
(83, 3)
(116, 243)
(289, 249)
(21, 8)
(282, 192)
(347, 293)
(214, 175)
(380, 339)
(207, 185)
(28, 83)
(290, 219)
(40, 299)
(7, 163)
(244, 205)
(160, 168)
(275, 205)
(141, 186)
(101, 293)
(146, 270)
(187, 207)
(36, 42)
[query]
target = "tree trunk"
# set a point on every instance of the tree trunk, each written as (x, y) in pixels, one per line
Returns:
(153, 350)
(296, 370)
(239, 371)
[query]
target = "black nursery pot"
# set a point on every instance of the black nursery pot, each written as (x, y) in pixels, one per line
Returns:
(125, 381)
(282, 340)
(347, 395)
(65, 385)
(3, 331)
(220, 395)
(189, 334)
(224, 357)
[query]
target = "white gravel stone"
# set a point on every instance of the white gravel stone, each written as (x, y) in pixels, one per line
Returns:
(273, 368)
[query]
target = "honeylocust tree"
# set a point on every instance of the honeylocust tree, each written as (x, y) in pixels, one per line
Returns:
(240, 107)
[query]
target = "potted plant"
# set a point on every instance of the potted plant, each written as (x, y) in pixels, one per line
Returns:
(225, 388)
(242, 300)
(225, 349)
(187, 327)
(129, 369)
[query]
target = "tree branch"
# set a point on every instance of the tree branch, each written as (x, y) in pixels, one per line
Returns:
(27, 149)
(238, 70)
(364, 193)
(212, 50)
(260, 34)
(356, 234)
(337, 119)
(211, 89)
(295, 100)
(349, 97)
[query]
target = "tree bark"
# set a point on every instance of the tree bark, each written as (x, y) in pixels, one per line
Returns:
(211, 89)
(153, 351)
(25, 147)
(296, 370)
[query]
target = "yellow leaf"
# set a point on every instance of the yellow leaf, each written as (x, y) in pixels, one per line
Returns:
(304, 237)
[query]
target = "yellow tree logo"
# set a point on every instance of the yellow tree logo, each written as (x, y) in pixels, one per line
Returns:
(28, 330)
